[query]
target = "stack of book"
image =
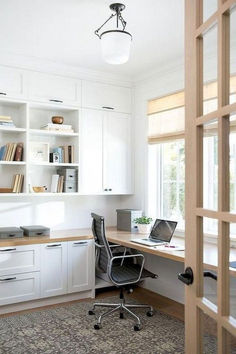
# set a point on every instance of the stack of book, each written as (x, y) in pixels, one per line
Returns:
(65, 154)
(17, 184)
(11, 152)
(57, 184)
(63, 128)
(6, 121)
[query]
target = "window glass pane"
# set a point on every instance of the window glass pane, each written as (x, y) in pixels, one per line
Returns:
(166, 183)
(232, 271)
(210, 68)
(209, 7)
(232, 150)
(233, 54)
(209, 334)
(210, 165)
(210, 259)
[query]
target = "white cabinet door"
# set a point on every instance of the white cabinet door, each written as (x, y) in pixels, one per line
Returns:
(53, 269)
(12, 82)
(55, 89)
(117, 154)
(19, 287)
(103, 96)
(91, 159)
(19, 259)
(81, 268)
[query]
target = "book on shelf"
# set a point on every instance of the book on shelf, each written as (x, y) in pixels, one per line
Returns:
(6, 121)
(17, 184)
(66, 128)
(11, 152)
(57, 184)
(66, 154)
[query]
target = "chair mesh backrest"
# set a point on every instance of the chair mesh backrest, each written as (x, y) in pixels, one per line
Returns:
(98, 228)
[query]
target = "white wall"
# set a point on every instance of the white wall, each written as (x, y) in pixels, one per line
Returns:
(57, 212)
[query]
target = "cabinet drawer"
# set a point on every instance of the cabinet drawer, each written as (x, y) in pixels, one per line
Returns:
(55, 89)
(109, 97)
(19, 287)
(19, 259)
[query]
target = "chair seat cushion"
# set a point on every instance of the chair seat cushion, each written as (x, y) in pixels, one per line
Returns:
(129, 273)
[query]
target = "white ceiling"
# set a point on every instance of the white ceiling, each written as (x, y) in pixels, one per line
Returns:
(63, 31)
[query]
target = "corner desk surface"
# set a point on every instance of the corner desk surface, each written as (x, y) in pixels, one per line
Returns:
(125, 239)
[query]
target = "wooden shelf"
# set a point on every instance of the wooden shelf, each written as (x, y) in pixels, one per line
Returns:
(12, 163)
(12, 130)
(51, 133)
(51, 164)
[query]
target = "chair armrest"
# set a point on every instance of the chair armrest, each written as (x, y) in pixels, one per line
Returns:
(110, 265)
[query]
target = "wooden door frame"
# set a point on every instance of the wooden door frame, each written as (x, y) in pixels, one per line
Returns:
(194, 119)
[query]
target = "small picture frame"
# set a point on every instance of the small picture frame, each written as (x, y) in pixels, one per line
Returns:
(56, 157)
(39, 152)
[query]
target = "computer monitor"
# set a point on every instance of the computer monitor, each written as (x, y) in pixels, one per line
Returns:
(163, 230)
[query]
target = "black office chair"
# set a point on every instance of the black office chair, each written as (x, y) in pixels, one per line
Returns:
(121, 272)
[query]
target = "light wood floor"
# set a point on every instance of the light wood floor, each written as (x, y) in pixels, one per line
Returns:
(142, 295)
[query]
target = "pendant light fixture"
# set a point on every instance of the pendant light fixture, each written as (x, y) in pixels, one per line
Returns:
(115, 43)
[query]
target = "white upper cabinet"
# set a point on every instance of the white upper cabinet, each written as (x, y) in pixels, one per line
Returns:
(54, 89)
(12, 83)
(117, 153)
(104, 96)
(91, 153)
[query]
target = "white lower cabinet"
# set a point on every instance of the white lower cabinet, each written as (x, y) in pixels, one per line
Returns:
(53, 269)
(80, 265)
(19, 287)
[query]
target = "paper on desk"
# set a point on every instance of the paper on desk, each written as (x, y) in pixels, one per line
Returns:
(169, 248)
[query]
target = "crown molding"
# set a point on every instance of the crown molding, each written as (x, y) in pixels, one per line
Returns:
(56, 68)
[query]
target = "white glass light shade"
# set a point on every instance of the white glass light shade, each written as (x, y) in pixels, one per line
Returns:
(116, 46)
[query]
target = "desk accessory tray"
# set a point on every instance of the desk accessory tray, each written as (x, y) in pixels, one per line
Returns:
(35, 230)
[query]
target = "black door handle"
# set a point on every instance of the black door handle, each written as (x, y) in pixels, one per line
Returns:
(57, 101)
(210, 275)
(187, 276)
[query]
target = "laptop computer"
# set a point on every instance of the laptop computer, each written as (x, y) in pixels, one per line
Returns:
(161, 233)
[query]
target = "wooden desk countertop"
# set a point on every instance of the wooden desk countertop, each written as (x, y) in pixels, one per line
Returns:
(55, 236)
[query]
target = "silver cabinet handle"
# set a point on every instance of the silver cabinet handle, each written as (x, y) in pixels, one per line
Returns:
(107, 107)
(56, 101)
(81, 243)
(54, 245)
(7, 279)
(3, 93)
(8, 250)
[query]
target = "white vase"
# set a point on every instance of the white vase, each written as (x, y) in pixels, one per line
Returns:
(144, 228)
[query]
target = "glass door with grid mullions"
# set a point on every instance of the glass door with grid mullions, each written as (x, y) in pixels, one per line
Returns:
(210, 198)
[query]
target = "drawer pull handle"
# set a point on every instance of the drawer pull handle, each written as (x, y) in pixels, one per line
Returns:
(3, 93)
(107, 107)
(55, 245)
(57, 101)
(12, 235)
(110, 189)
(83, 243)
(8, 250)
(39, 233)
(6, 279)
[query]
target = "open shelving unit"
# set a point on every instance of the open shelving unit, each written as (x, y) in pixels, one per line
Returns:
(28, 118)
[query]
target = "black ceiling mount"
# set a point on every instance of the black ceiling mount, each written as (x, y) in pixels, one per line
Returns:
(117, 8)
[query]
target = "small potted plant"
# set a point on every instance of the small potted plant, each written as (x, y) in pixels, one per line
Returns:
(144, 224)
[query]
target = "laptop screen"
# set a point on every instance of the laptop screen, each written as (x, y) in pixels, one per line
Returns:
(163, 230)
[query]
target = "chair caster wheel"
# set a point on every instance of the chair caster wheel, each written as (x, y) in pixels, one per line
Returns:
(137, 327)
(91, 312)
(97, 326)
(121, 315)
(150, 313)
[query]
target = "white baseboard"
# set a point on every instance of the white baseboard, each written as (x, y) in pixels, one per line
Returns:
(45, 302)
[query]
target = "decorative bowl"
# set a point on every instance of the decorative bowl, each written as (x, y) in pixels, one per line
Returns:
(57, 120)
(39, 189)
